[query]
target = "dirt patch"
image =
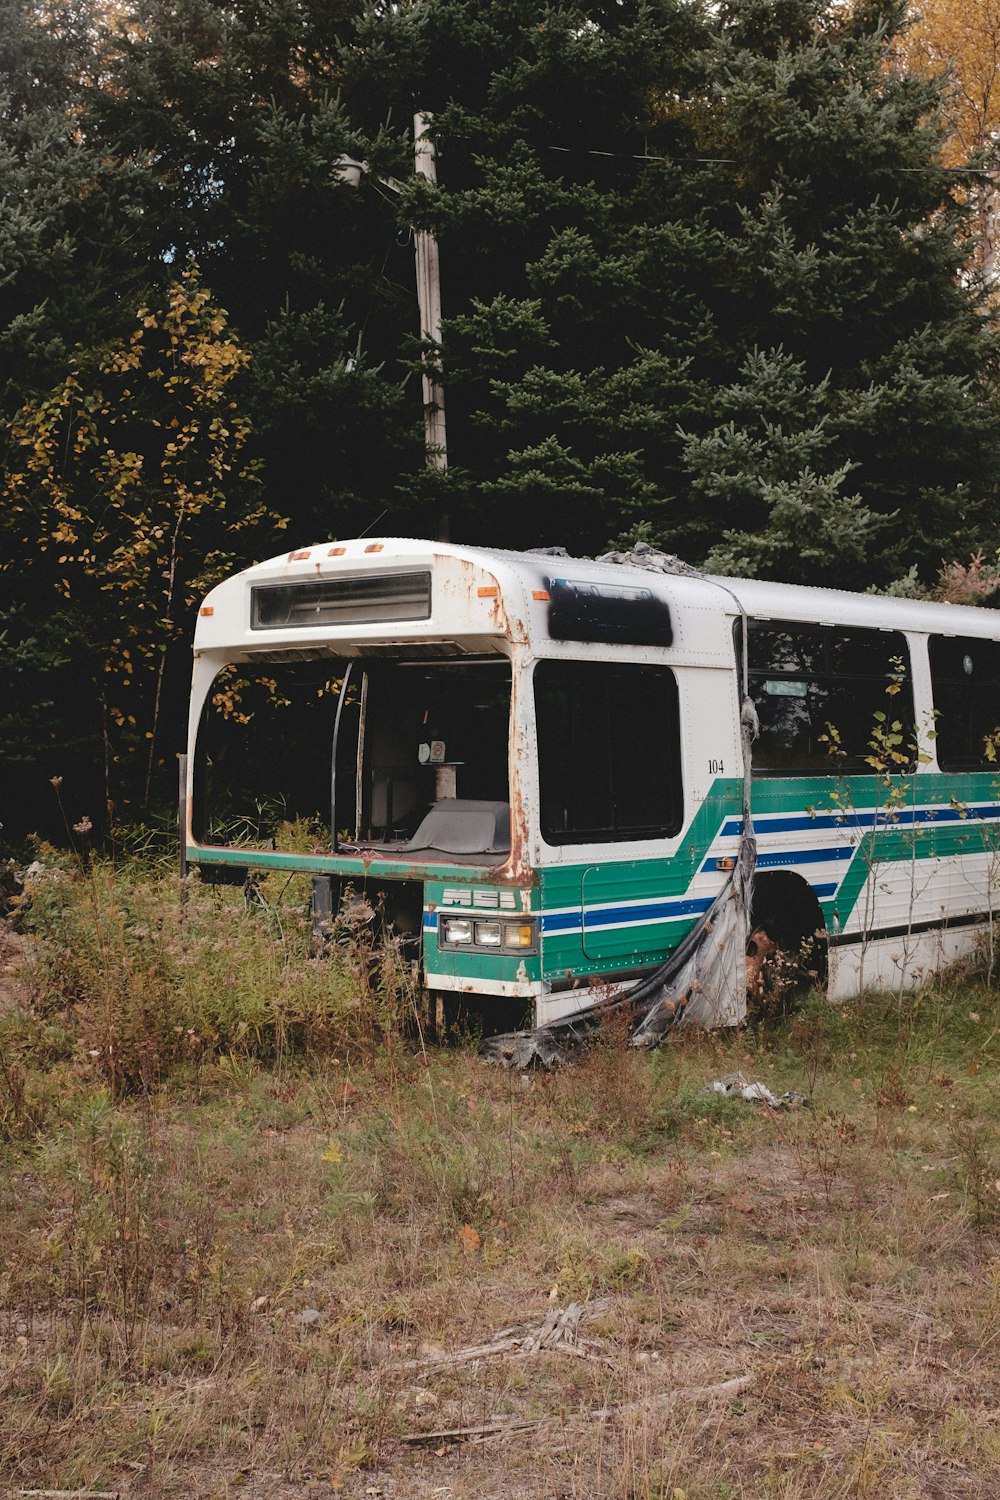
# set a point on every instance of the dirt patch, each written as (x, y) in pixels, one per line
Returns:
(641, 1212)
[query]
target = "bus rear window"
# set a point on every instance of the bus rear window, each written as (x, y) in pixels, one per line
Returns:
(609, 765)
(280, 757)
(965, 675)
(341, 601)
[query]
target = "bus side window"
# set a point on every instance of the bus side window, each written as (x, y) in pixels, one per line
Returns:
(965, 677)
(818, 690)
(609, 765)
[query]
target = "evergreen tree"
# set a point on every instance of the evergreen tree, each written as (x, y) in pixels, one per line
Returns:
(601, 308)
(844, 243)
(769, 468)
(571, 264)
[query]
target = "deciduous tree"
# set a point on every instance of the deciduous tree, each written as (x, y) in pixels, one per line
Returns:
(958, 41)
(129, 495)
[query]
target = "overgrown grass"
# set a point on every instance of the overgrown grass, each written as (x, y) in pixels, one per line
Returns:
(242, 1213)
(123, 973)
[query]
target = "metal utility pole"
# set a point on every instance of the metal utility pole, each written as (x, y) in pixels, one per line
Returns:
(429, 302)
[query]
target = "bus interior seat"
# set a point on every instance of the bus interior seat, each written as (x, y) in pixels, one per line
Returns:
(464, 825)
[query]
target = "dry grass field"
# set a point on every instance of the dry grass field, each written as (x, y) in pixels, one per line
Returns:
(252, 1234)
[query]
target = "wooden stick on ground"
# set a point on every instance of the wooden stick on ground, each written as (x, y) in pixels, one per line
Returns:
(600, 1414)
(71, 1494)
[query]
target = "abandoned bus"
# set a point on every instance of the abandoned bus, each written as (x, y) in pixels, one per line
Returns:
(531, 764)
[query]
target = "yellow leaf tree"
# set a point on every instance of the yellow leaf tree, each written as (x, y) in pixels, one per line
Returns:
(961, 38)
(133, 491)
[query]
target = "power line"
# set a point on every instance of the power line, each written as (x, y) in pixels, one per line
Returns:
(731, 161)
(727, 161)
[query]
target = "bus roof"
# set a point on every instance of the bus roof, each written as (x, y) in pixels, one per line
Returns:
(512, 607)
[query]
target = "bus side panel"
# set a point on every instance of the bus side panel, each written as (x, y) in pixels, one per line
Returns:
(885, 863)
(608, 915)
(906, 873)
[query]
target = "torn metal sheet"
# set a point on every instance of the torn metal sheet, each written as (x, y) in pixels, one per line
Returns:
(704, 981)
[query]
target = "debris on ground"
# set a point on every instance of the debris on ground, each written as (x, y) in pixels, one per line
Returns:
(736, 1083)
(559, 1333)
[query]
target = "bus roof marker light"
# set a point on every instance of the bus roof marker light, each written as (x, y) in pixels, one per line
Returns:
(542, 594)
(488, 591)
(374, 547)
(298, 556)
(336, 552)
(206, 610)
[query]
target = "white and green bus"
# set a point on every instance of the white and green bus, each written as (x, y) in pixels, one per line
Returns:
(532, 763)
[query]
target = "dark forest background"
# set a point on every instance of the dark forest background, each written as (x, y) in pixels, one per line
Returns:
(706, 281)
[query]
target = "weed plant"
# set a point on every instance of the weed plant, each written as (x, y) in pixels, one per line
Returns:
(128, 977)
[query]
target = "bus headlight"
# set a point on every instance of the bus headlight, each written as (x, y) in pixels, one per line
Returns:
(457, 930)
(488, 936)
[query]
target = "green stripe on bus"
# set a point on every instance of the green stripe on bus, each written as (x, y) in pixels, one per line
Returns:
(607, 881)
(349, 866)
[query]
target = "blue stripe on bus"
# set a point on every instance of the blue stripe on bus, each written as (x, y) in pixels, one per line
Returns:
(887, 818)
(560, 921)
(610, 916)
(614, 916)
